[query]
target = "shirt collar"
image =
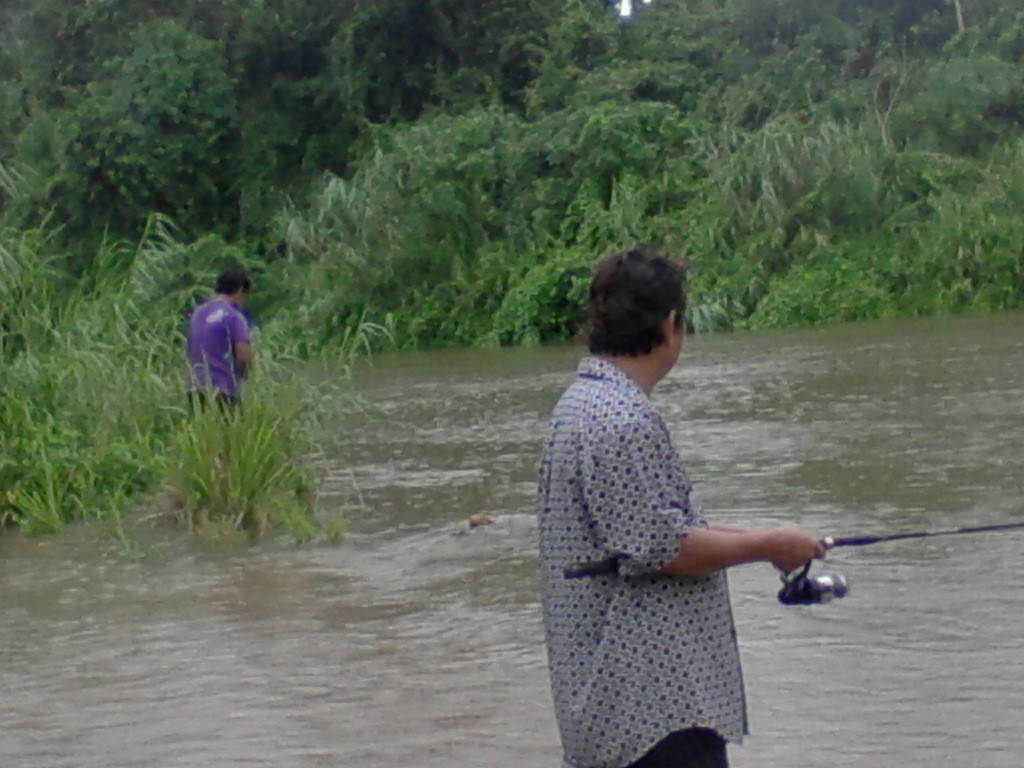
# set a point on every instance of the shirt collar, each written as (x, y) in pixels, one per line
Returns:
(592, 367)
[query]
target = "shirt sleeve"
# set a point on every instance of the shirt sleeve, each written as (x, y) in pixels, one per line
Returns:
(639, 509)
(238, 328)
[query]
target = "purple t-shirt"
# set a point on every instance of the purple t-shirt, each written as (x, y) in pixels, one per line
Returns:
(214, 329)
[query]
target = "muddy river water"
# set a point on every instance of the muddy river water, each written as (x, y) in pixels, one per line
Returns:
(415, 642)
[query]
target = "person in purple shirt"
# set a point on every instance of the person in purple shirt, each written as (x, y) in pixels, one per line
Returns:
(219, 346)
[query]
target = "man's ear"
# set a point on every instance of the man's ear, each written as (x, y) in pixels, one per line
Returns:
(673, 325)
(668, 326)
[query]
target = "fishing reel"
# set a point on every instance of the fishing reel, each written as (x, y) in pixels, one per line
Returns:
(800, 588)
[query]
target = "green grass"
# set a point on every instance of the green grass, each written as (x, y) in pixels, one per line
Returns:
(242, 469)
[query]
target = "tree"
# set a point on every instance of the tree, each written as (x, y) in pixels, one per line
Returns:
(157, 133)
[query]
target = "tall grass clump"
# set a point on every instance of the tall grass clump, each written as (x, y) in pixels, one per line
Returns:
(403, 236)
(86, 376)
(967, 254)
(803, 224)
(780, 193)
(245, 469)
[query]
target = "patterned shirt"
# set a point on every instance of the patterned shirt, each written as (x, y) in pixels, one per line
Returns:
(638, 655)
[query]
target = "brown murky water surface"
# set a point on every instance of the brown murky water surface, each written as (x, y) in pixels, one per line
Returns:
(415, 643)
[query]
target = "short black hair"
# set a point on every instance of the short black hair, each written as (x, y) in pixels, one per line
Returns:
(232, 281)
(631, 294)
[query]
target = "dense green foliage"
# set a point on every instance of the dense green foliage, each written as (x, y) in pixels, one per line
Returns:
(454, 166)
(446, 171)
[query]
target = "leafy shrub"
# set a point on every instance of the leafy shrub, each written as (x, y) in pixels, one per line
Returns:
(835, 288)
(548, 303)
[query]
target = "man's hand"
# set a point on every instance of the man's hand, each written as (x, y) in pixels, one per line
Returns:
(243, 355)
(790, 548)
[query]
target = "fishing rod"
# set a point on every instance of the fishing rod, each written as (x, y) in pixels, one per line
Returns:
(801, 588)
(863, 541)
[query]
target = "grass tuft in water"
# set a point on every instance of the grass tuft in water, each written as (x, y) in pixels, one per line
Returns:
(244, 470)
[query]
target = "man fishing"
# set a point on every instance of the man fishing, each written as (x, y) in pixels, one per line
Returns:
(219, 346)
(642, 650)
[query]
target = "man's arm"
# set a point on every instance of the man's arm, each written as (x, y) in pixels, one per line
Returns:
(243, 353)
(241, 345)
(638, 516)
(704, 551)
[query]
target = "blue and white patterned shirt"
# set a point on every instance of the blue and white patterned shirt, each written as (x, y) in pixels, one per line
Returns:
(638, 655)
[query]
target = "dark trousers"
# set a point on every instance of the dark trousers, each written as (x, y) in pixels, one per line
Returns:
(689, 748)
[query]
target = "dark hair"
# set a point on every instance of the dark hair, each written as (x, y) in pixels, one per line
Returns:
(232, 281)
(630, 296)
